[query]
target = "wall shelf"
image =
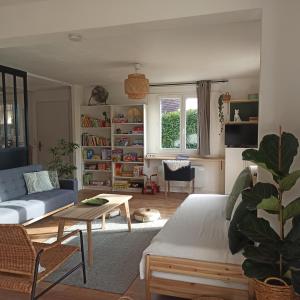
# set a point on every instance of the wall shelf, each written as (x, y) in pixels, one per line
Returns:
(241, 123)
(243, 101)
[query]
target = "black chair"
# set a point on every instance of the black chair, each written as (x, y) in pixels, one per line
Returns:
(186, 173)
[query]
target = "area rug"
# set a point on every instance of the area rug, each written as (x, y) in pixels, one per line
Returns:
(117, 254)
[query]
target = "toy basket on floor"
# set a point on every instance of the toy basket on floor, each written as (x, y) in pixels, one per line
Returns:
(266, 291)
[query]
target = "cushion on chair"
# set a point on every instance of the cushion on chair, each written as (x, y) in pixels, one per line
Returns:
(243, 181)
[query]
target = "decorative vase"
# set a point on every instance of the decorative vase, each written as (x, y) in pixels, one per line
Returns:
(266, 291)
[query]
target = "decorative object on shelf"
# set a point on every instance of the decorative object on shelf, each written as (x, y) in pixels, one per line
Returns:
(135, 115)
(99, 95)
(253, 96)
(236, 117)
(221, 112)
(60, 159)
(136, 85)
(146, 215)
(270, 254)
(89, 154)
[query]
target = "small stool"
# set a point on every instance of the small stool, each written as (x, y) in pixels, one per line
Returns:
(146, 214)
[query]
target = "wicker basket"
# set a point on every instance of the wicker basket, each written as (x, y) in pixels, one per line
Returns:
(265, 291)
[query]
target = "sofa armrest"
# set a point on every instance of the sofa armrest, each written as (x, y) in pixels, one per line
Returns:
(70, 184)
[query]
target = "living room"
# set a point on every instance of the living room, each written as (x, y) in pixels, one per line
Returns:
(68, 107)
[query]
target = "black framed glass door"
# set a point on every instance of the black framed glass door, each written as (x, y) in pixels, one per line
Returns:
(13, 118)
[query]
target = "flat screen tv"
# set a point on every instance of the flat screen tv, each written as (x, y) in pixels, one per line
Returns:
(241, 135)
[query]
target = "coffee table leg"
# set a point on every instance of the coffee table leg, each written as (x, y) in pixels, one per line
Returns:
(103, 221)
(90, 243)
(61, 227)
(127, 215)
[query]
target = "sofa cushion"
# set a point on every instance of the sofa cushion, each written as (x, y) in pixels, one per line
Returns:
(12, 183)
(38, 182)
(34, 205)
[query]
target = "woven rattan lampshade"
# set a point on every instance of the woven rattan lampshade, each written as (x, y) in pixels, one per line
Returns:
(136, 85)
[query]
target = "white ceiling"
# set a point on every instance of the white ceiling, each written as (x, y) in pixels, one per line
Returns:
(209, 47)
(15, 2)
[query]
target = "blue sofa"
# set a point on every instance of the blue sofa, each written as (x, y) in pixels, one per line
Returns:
(17, 207)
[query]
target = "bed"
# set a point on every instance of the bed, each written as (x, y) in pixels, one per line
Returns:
(190, 256)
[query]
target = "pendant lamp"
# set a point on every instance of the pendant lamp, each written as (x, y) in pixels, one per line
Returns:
(136, 85)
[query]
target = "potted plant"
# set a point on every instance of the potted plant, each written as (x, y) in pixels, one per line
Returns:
(61, 159)
(272, 252)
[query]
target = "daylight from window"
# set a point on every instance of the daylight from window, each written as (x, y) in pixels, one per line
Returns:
(179, 123)
(170, 122)
(191, 123)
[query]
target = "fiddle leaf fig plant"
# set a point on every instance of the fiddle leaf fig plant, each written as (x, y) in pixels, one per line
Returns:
(270, 251)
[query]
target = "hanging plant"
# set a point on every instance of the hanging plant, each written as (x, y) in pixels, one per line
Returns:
(221, 112)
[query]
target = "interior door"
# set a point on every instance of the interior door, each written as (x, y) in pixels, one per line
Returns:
(53, 124)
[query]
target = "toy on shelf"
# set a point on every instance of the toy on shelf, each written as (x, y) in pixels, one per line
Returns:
(117, 155)
(130, 157)
(138, 130)
(151, 187)
(120, 118)
(122, 142)
(139, 143)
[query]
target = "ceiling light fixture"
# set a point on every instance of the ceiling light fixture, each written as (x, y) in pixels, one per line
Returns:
(136, 85)
(75, 37)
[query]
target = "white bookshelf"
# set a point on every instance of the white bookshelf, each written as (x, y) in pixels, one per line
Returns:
(123, 132)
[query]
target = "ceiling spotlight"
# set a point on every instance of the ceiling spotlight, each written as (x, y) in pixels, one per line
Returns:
(75, 37)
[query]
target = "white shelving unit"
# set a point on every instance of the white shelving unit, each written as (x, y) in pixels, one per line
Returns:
(107, 131)
(128, 138)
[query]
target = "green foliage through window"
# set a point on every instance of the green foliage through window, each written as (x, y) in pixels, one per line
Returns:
(170, 129)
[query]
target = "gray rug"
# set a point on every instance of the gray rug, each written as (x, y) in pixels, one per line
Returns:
(117, 254)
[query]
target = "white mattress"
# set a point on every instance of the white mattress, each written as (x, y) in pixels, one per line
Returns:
(198, 230)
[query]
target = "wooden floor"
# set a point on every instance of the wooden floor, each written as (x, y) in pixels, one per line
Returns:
(47, 228)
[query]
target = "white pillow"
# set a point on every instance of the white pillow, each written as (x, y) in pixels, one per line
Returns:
(38, 182)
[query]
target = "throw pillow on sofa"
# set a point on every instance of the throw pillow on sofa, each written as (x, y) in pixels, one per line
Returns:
(54, 179)
(38, 182)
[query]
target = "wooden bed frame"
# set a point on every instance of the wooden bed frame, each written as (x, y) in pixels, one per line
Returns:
(196, 268)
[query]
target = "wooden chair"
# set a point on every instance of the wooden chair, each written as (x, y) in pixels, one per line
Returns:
(21, 259)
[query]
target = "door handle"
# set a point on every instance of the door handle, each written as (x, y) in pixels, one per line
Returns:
(40, 146)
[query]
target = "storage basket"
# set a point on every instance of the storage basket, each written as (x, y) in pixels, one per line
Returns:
(266, 291)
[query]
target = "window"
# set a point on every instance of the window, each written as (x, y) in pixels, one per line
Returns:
(179, 123)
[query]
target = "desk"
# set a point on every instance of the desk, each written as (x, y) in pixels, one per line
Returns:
(149, 157)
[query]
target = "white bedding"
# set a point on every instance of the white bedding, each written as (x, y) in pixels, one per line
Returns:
(198, 230)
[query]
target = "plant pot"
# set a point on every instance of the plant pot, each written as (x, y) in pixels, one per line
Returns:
(266, 291)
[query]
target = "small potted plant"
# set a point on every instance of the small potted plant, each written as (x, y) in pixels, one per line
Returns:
(272, 252)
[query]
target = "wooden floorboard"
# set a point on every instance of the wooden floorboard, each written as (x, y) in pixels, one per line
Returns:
(46, 228)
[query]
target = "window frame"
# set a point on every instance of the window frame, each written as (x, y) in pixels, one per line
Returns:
(182, 148)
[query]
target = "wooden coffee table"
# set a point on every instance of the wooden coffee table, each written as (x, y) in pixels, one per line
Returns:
(89, 213)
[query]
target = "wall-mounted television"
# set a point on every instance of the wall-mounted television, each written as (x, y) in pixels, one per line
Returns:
(241, 135)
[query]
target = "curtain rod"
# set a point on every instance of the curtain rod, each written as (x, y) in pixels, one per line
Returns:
(185, 83)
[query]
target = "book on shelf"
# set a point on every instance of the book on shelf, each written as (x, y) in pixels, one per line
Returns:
(94, 140)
